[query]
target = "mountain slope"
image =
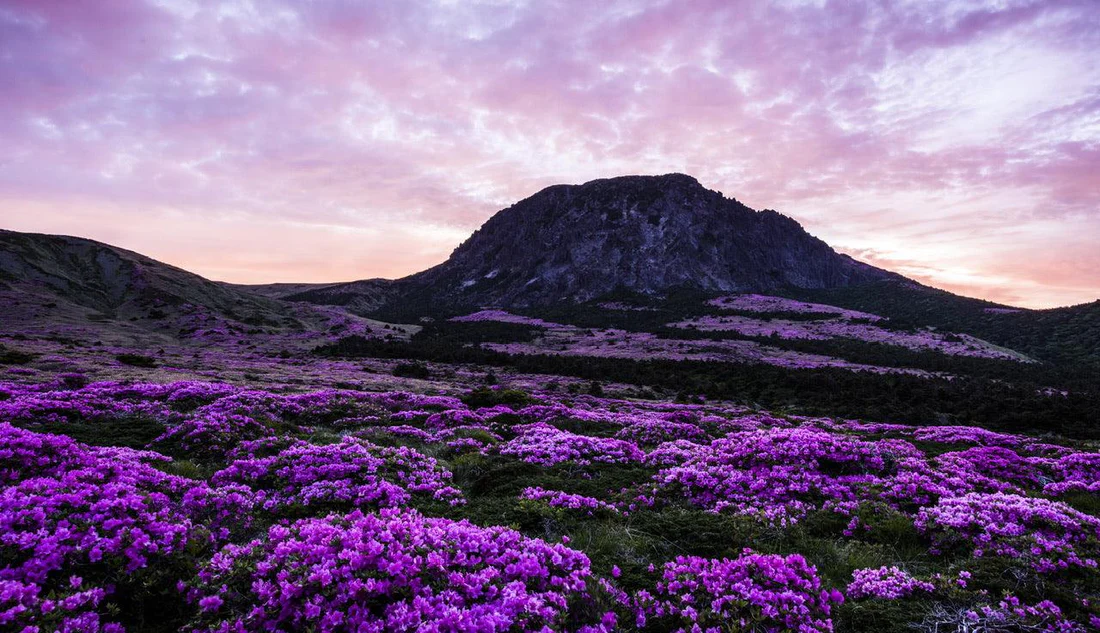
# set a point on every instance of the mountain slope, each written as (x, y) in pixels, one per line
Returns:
(111, 280)
(359, 297)
(51, 283)
(646, 234)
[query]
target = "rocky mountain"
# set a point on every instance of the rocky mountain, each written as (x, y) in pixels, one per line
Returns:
(643, 234)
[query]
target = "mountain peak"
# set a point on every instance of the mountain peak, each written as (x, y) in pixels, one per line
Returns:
(646, 234)
(673, 179)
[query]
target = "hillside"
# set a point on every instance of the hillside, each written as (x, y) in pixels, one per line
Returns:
(79, 288)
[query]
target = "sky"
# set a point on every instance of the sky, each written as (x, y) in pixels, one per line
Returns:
(957, 143)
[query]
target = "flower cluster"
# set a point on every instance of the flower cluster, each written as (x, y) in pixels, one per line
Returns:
(654, 432)
(752, 592)
(765, 303)
(56, 521)
(94, 403)
(995, 468)
(585, 506)
(25, 454)
(453, 418)
(885, 583)
(392, 571)
(1010, 614)
(950, 344)
(1049, 535)
(353, 473)
(501, 316)
(777, 474)
(571, 340)
(1075, 472)
(211, 434)
(22, 607)
(73, 520)
(965, 435)
(547, 445)
(672, 453)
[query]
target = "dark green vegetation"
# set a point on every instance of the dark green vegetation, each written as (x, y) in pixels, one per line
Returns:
(10, 356)
(999, 394)
(1059, 394)
(1068, 336)
(136, 360)
(412, 370)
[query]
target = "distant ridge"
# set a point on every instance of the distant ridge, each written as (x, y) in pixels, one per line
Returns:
(61, 279)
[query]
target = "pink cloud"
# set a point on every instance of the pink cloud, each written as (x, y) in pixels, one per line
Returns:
(905, 128)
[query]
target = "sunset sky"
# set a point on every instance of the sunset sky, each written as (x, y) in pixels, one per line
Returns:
(955, 142)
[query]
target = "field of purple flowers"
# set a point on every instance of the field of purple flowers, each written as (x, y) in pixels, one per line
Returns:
(214, 507)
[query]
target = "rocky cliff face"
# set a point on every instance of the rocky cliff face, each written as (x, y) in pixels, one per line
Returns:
(646, 234)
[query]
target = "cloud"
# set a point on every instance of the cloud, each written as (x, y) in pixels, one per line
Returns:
(882, 126)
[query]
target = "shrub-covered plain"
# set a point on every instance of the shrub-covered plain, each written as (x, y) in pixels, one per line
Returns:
(239, 509)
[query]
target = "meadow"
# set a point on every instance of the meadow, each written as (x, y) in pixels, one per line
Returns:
(208, 506)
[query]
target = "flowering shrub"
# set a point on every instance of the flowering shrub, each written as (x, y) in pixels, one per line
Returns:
(918, 483)
(585, 506)
(252, 403)
(672, 453)
(95, 403)
(187, 396)
(353, 472)
(466, 445)
(1076, 472)
(226, 511)
(211, 434)
(266, 446)
(885, 583)
(1049, 535)
(779, 495)
(56, 520)
(452, 418)
(654, 432)
(1010, 614)
(546, 446)
(766, 303)
(809, 447)
(54, 530)
(395, 401)
(777, 474)
(25, 454)
(994, 468)
(22, 607)
(752, 592)
(394, 571)
(965, 435)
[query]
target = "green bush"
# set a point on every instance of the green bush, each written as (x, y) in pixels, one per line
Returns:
(14, 356)
(136, 360)
(412, 370)
(488, 397)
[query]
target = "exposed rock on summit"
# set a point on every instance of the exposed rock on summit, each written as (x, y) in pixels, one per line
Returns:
(647, 234)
